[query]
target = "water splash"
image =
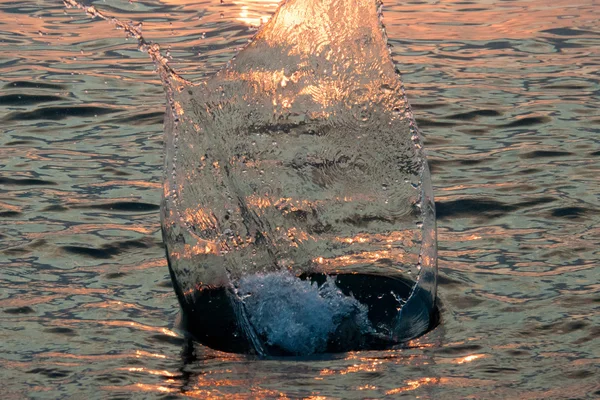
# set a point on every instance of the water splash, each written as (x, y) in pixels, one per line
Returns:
(300, 158)
(299, 316)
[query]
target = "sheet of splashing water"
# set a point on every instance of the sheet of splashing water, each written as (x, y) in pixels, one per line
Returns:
(301, 155)
(299, 316)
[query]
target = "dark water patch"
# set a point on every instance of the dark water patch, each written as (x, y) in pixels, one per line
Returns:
(529, 171)
(427, 106)
(474, 132)
(165, 284)
(59, 113)
(115, 171)
(574, 302)
(460, 349)
(444, 280)
(465, 207)
(26, 99)
(569, 32)
(9, 214)
(115, 275)
(9, 63)
(427, 123)
(17, 251)
(55, 208)
(567, 87)
(561, 44)
(536, 202)
(151, 118)
(107, 251)
(551, 327)
(61, 331)
(469, 9)
(545, 154)
(498, 370)
(52, 373)
(592, 336)
(34, 85)
(483, 207)
(103, 253)
(474, 114)
(176, 341)
(24, 181)
(574, 326)
(498, 45)
(14, 61)
(581, 374)
(595, 153)
(528, 121)
(125, 206)
(518, 353)
(19, 142)
(569, 212)
(112, 378)
(438, 164)
(19, 310)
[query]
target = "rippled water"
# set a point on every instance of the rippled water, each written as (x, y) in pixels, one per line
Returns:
(507, 97)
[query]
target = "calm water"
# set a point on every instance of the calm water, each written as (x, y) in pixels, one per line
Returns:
(507, 96)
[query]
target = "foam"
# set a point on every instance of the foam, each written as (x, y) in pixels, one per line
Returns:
(299, 316)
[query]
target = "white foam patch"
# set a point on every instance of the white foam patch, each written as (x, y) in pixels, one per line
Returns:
(296, 315)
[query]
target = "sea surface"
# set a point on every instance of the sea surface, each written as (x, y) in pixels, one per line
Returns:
(507, 95)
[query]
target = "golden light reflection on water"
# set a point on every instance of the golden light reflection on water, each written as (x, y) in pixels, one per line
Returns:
(426, 30)
(141, 387)
(149, 371)
(100, 357)
(412, 385)
(369, 366)
(22, 302)
(399, 256)
(468, 359)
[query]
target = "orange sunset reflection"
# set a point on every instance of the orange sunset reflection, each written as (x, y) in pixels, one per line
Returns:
(445, 19)
(255, 12)
(88, 303)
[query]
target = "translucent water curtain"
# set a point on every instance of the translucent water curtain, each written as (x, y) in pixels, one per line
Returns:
(297, 211)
